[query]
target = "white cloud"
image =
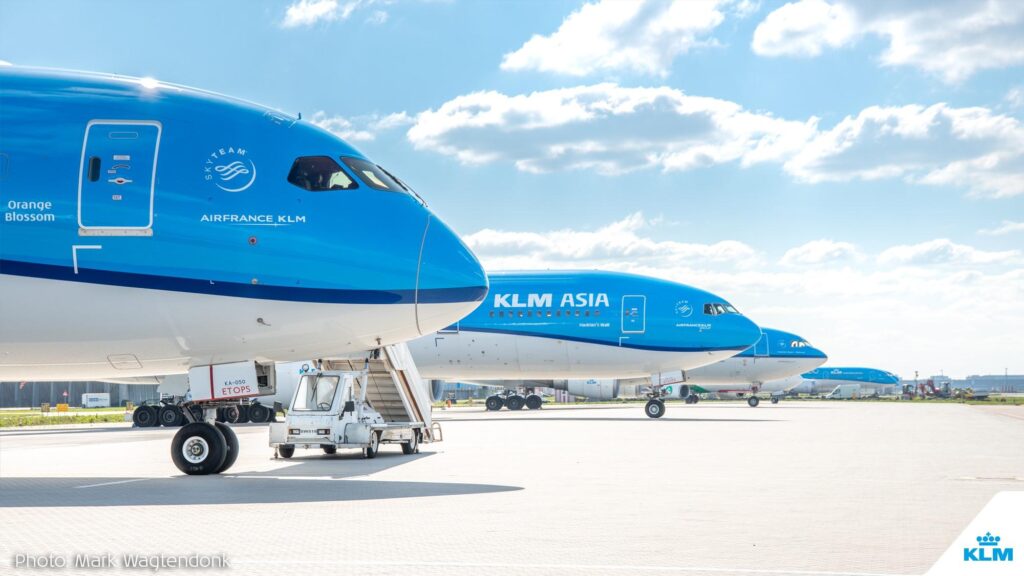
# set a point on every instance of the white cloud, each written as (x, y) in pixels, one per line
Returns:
(309, 12)
(952, 39)
(817, 252)
(854, 313)
(804, 29)
(615, 130)
(609, 35)
(944, 251)
(1015, 97)
(969, 147)
(1006, 227)
(605, 127)
(359, 128)
(616, 242)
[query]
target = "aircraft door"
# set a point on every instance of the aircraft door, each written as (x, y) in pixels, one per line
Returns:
(117, 177)
(634, 314)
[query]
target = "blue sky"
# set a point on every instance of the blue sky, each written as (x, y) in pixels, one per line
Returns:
(851, 171)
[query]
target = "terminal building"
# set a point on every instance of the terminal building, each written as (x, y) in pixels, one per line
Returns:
(32, 394)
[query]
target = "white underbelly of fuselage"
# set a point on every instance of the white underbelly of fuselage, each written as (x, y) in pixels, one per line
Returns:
(58, 330)
(742, 374)
(494, 356)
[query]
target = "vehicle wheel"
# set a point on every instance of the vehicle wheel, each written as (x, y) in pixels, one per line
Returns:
(259, 413)
(243, 414)
(695, 398)
(534, 402)
(494, 403)
(232, 443)
(775, 399)
(231, 414)
(515, 402)
(371, 450)
(199, 448)
(412, 446)
(145, 417)
(655, 408)
(170, 416)
(286, 450)
(328, 449)
(220, 415)
(753, 401)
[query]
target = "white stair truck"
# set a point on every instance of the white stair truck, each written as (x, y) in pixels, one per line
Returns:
(358, 403)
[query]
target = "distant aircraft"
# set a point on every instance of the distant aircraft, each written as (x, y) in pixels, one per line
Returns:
(153, 229)
(543, 328)
(825, 379)
(776, 355)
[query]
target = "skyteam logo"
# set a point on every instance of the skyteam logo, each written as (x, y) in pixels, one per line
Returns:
(988, 550)
(683, 308)
(230, 169)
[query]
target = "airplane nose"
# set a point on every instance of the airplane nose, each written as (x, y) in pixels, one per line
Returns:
(450, 282)
(744, 331)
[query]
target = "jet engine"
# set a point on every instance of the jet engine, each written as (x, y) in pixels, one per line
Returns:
(594, 389)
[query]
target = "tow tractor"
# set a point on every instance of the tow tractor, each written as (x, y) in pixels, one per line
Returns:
(360, 403)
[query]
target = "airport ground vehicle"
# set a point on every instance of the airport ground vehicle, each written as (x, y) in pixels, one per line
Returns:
(844, 392)
(358, 403)
(96, 400)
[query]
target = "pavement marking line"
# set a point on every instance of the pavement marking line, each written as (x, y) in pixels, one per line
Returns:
(114, 482)
(630, 568)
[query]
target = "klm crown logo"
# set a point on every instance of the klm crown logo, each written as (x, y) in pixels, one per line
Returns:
(988, 550)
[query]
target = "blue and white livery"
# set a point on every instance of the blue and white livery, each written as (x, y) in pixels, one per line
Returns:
(151, 229)
(869, 381)
(539, 328)
(776, 355)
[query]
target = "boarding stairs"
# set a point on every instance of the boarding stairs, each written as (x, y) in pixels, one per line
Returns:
(394, 387)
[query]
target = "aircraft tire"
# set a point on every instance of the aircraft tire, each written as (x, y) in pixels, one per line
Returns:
(145, 417)
(259, 413)
(232, 444)
(199, 448)
(170, 416)
(230, 414)
(655, 408)
(494, 403)
(534, 402)
(243, 414)
(516, 402)
(328, 449)
(775, 399)
(753, 401)
(286, 450)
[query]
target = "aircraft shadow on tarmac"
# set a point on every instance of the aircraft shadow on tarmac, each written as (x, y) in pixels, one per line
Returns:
(313, 478)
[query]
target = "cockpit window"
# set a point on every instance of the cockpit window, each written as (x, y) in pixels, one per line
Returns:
(319, 174)
(719, 308)
(372, 174)
(799, 344)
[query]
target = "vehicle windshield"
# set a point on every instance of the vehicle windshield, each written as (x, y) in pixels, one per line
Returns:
(315, 392)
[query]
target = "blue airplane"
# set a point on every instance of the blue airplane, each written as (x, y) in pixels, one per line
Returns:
(153, 229)
(825, 379)
(776, 355)
(541, 328)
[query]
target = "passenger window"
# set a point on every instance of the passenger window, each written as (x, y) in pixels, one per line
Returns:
(372, 175)
(319, 174)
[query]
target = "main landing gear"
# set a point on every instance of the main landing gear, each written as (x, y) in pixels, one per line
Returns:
(655, 408)
(753, 401)
(204, 446)
(514, 401)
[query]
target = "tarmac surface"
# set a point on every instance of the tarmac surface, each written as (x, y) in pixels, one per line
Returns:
(718, 488)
